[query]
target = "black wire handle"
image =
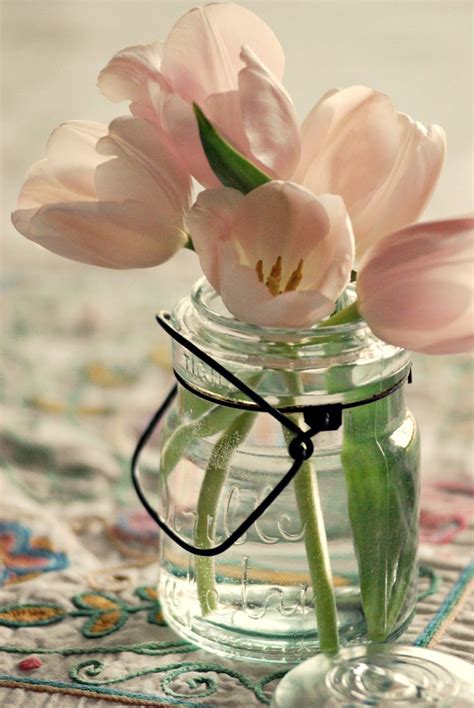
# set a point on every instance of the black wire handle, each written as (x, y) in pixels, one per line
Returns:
(321, 418)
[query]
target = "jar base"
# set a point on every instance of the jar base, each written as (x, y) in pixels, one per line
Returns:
(289, 649)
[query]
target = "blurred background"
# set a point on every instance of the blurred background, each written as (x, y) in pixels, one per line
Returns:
(84, 362)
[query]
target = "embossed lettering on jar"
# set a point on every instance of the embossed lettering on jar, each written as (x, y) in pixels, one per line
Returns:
(255, 601)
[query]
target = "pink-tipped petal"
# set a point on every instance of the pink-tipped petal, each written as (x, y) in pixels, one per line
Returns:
(201, 55)
(333, 259)
(146, 167)
(180, 123)
(401, 199)
(269, 117)
(416, 287)
(115, 199)
(382, 163)
(109, 234)
(129, 74)
(68, 171)
(42, 187)
(224, 112)
(349, 143)
(210, 221)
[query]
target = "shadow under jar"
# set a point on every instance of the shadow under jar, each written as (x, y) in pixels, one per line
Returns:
(255, 600)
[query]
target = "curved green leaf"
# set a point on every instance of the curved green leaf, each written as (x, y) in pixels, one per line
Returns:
(229, 165)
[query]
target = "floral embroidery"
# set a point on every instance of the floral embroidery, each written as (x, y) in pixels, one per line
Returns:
(24, 557)
(105, 613)
(155, 615)
(181, 682)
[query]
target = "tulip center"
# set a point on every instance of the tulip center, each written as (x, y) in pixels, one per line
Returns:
(273, 282)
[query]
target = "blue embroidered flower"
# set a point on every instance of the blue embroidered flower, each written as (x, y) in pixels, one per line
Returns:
(24, 557)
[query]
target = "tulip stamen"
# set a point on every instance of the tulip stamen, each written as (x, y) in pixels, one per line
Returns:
(295, 278)
(273, 280)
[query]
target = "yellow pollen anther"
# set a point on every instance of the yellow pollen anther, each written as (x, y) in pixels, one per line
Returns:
(273, 281)
(259, 269)
(295, 278)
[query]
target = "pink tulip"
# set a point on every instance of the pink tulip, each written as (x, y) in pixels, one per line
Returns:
(113, 197)
(353, 143)
(382, 163)
(227, 60)
(278, 256)
(416, 286)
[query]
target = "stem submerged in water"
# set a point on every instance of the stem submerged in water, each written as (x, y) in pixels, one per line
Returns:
(209, 495)
(315, 540)
(310, 512)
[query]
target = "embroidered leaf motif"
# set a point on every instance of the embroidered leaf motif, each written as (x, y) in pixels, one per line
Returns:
(147, 592)
(106, 613)
(155, 616)
(97, 601)
(102, 623)
(31, 615)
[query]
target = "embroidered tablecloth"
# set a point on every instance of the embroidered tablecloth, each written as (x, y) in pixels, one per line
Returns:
(80, 620)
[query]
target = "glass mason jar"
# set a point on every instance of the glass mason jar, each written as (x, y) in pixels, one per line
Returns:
(255, 600)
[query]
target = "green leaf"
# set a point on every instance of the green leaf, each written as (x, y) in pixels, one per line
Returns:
(229, 166)
(102, 623)
(383, 509)
(31, 614)
(99, 601)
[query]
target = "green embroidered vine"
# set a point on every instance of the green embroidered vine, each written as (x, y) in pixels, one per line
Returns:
(93, 668)
(147, 649)
(425, 572)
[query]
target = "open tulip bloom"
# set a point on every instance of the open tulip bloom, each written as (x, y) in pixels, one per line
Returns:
(288, 212)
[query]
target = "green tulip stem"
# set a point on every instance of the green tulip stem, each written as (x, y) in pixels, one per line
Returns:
(309, 509)
(208, 501)
(347, 314)
(317, 553)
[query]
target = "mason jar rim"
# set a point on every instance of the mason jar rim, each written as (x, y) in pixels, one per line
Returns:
(207, 301)
(362, 361)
